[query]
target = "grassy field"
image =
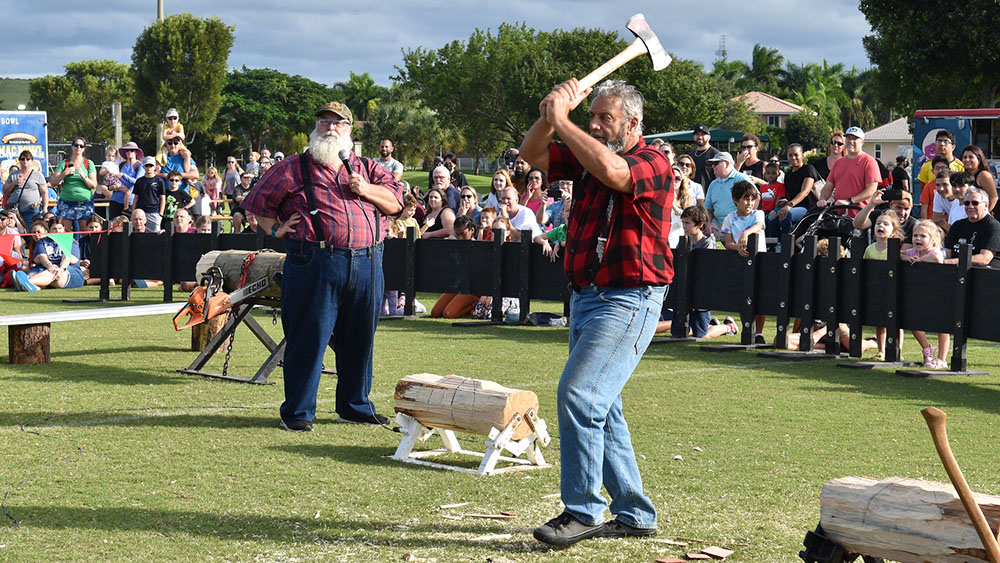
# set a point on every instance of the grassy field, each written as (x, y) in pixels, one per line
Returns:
(109, 454)
(13, 92)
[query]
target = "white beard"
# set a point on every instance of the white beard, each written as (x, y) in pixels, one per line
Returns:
(324, 147)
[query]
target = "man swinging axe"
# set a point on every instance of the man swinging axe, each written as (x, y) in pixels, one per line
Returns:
(619, 264)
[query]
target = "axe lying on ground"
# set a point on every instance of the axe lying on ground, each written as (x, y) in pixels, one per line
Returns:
(645, 42)
(936, 422)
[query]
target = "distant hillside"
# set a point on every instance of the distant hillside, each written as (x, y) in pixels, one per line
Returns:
(13, 92)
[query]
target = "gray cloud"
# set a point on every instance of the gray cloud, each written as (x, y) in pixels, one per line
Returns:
(324, 41)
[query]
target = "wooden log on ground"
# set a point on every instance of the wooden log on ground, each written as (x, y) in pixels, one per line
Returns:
(459, 403)
(906, 520)
(28, 344)
(230, 262)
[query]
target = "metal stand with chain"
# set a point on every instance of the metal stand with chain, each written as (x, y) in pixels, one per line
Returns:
(240, 313)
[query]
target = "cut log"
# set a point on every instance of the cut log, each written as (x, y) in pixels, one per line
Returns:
(202, 333)
(28, 344)
(906, 520)
(230, 262)
(459, 403)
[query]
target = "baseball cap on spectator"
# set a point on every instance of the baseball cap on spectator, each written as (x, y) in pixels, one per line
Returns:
(906, 200)
(172, 112)
(246, 174)
(855, 132)
(723, 156)
(337, 108)
(148, 160)
(702, 129)
(131, 146)
(279, 155)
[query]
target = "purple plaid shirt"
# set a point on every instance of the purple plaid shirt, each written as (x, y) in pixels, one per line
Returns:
(346, 221)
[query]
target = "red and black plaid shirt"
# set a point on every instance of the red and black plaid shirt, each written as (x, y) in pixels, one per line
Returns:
(637, 252)
(346, 221)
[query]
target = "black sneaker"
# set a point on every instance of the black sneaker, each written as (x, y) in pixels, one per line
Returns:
(758, 339)
(565, 530)
(297, 426)
(373, 419)
(618, 529)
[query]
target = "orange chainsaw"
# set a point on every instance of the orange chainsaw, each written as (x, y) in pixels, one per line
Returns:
(208, 300)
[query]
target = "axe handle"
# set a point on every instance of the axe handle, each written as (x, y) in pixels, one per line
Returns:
(936, 422)
(635, 49)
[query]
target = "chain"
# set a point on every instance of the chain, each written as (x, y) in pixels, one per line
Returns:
(232, 312)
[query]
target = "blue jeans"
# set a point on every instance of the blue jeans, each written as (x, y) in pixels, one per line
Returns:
(776, 227)
(698, 322)
(609, 331)
(329, 296)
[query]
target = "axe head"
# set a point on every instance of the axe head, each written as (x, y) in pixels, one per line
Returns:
(638, 25)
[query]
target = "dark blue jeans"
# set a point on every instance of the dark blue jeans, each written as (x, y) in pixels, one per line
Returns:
(329, 292)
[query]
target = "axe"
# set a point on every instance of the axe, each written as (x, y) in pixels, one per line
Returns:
(936, 423)
(645, 42)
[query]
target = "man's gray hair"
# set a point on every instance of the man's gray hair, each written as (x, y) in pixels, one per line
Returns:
(983, 196)
(444, 168)
(629, 95)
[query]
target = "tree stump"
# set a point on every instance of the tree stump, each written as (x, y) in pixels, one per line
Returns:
(202, 333)
(460, 403)
(28, 344)
(906, 520)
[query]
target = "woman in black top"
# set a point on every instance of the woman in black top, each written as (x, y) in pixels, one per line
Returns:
(836, 153)
(975, 163)
(800, 186)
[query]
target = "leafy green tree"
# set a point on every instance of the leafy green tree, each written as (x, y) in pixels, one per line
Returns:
(181, 62)
(259, 104)
(764, 70)
(79, 102)
(809, 130)
(360, 93)
(414, 129)
(931, 55)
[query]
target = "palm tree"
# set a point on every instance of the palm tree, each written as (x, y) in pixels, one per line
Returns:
(361, 94)
(764, 70)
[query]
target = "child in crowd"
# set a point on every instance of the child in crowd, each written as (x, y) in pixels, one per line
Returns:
(927, 248)
(944, 200)
(253, 166)
(212, 187)
(737, 228)
(694, 219)
(110, 174)
(464, 228)
(886, 227)
(487, 217)
(406, 217)
(176, 198)
(150, 195)
(939, 164)
(948, 206)
(557, 235)
(771, 194)
(203, 225)
(173, 128)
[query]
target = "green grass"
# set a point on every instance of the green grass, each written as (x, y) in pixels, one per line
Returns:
(13, 92)
(419, 177)
(109, 454)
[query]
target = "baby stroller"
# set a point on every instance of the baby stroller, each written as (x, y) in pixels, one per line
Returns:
(825, 222)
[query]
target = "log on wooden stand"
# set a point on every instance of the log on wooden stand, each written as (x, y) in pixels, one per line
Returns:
(230, 263)
(906, 520)
(28, 344)
(202, 333)
(459, 403)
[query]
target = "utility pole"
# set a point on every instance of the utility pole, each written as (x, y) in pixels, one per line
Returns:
(159, 10)
(116, 113)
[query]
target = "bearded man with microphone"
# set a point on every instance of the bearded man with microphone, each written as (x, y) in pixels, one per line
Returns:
(330, 207)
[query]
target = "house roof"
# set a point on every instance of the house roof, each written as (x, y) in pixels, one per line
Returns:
(763, 103)
(896, 130)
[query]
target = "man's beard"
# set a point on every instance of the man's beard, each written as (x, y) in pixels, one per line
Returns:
(616, 145)
(520, 174)
(324, 147)
(385, 153)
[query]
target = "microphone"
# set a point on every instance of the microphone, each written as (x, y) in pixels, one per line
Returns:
(345, 157)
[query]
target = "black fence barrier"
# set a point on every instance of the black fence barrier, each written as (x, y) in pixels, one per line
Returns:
(787, 285)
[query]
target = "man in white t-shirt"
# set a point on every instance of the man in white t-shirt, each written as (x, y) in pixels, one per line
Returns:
(522, 218)
(394, 166)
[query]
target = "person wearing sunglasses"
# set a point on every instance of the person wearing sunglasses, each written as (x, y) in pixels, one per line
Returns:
(747, 161)
(835, 153)
(25, 188)
(979, 229)
(78, 177)
(173, 127)
(854, 178)
(177, 157)
(468, 204)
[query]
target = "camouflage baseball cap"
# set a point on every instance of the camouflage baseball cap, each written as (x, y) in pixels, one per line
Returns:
(337, 108)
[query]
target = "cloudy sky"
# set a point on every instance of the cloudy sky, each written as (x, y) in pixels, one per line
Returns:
(321, 40)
